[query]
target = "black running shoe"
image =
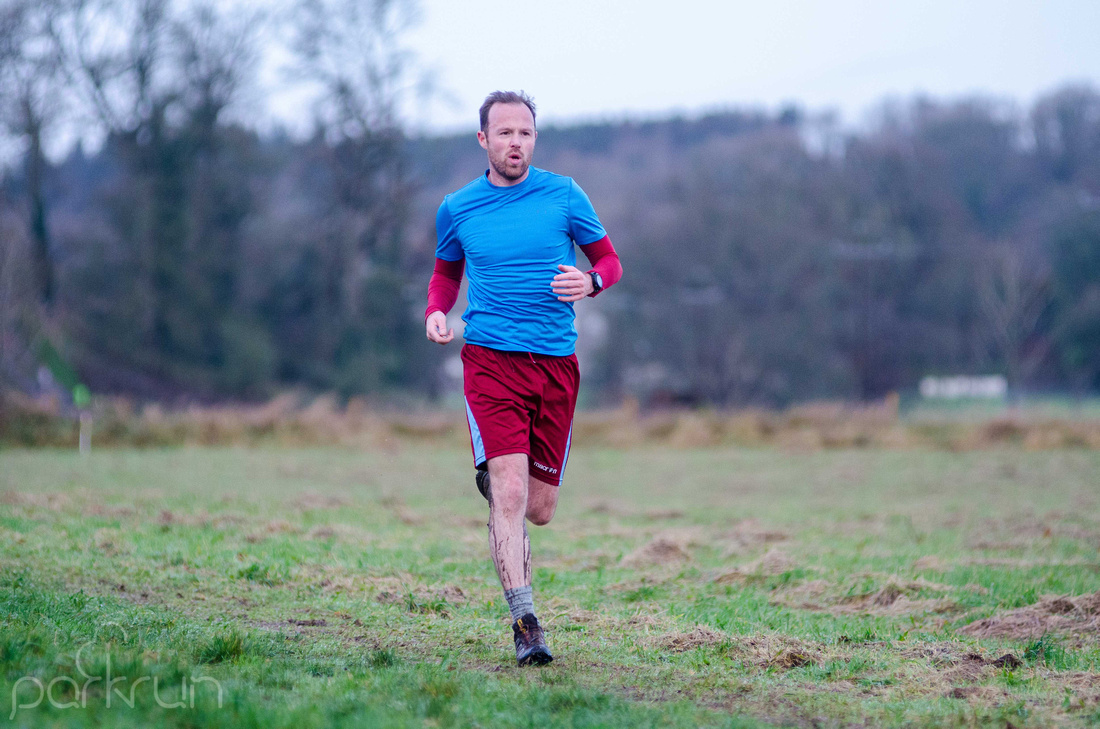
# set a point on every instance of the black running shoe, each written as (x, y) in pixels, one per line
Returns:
(530, 642)
(482, 481)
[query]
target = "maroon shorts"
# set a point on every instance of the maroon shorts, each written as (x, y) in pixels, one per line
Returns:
(519, 402)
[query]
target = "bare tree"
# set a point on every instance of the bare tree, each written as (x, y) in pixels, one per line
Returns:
(157, 79)
(30, 104)
(215, 55)
(1014, 295)
(115, 59)
(114, 55)
(352, 48)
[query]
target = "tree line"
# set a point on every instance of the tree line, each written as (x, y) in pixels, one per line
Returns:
(774, 259)
(189, 256)
(770, 257)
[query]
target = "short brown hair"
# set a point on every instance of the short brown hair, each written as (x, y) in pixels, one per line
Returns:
(505, 97)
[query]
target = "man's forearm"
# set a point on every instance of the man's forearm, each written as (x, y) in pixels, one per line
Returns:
(605, 261)
(444, 285)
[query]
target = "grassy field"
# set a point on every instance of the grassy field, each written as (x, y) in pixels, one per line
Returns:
(710, 587)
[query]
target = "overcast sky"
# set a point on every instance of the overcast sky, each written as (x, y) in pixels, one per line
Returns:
(587, 59)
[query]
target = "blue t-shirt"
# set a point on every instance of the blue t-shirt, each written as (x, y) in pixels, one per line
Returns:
(513, 239)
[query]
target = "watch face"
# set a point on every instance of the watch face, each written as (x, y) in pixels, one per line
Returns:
(598, 280)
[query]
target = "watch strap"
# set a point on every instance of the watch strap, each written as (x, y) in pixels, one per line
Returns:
(597, 282)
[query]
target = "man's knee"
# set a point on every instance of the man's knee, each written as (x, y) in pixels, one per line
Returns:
(508, 494)
(542, 502)
(540, 517)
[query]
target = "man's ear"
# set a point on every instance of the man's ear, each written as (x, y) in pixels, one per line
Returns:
(482, 140)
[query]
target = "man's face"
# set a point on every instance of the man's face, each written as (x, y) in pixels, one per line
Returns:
(510, 141)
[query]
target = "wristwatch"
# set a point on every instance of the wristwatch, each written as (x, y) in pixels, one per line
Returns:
(597, 283)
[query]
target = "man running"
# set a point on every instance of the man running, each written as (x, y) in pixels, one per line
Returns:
(512, 231)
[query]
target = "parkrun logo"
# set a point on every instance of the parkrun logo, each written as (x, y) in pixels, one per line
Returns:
(79, 687)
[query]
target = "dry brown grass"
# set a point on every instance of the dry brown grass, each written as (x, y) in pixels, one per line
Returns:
(764, 650)
(661, 551)
(895, 597)
(700, 636)
(1053, 614)
(295, 420)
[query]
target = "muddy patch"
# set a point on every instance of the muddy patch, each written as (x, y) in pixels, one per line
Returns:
(958, 671)
(662, 550)
(963, 673)
(1052, 614)
(898, 597)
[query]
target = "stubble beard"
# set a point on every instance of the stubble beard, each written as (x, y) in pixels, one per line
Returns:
(500, 166)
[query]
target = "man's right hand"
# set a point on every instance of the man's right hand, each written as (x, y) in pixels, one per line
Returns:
(436, 324)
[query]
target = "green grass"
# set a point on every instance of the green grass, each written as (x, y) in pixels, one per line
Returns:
(714, 587)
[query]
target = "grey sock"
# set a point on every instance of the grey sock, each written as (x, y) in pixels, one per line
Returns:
(520, 601)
